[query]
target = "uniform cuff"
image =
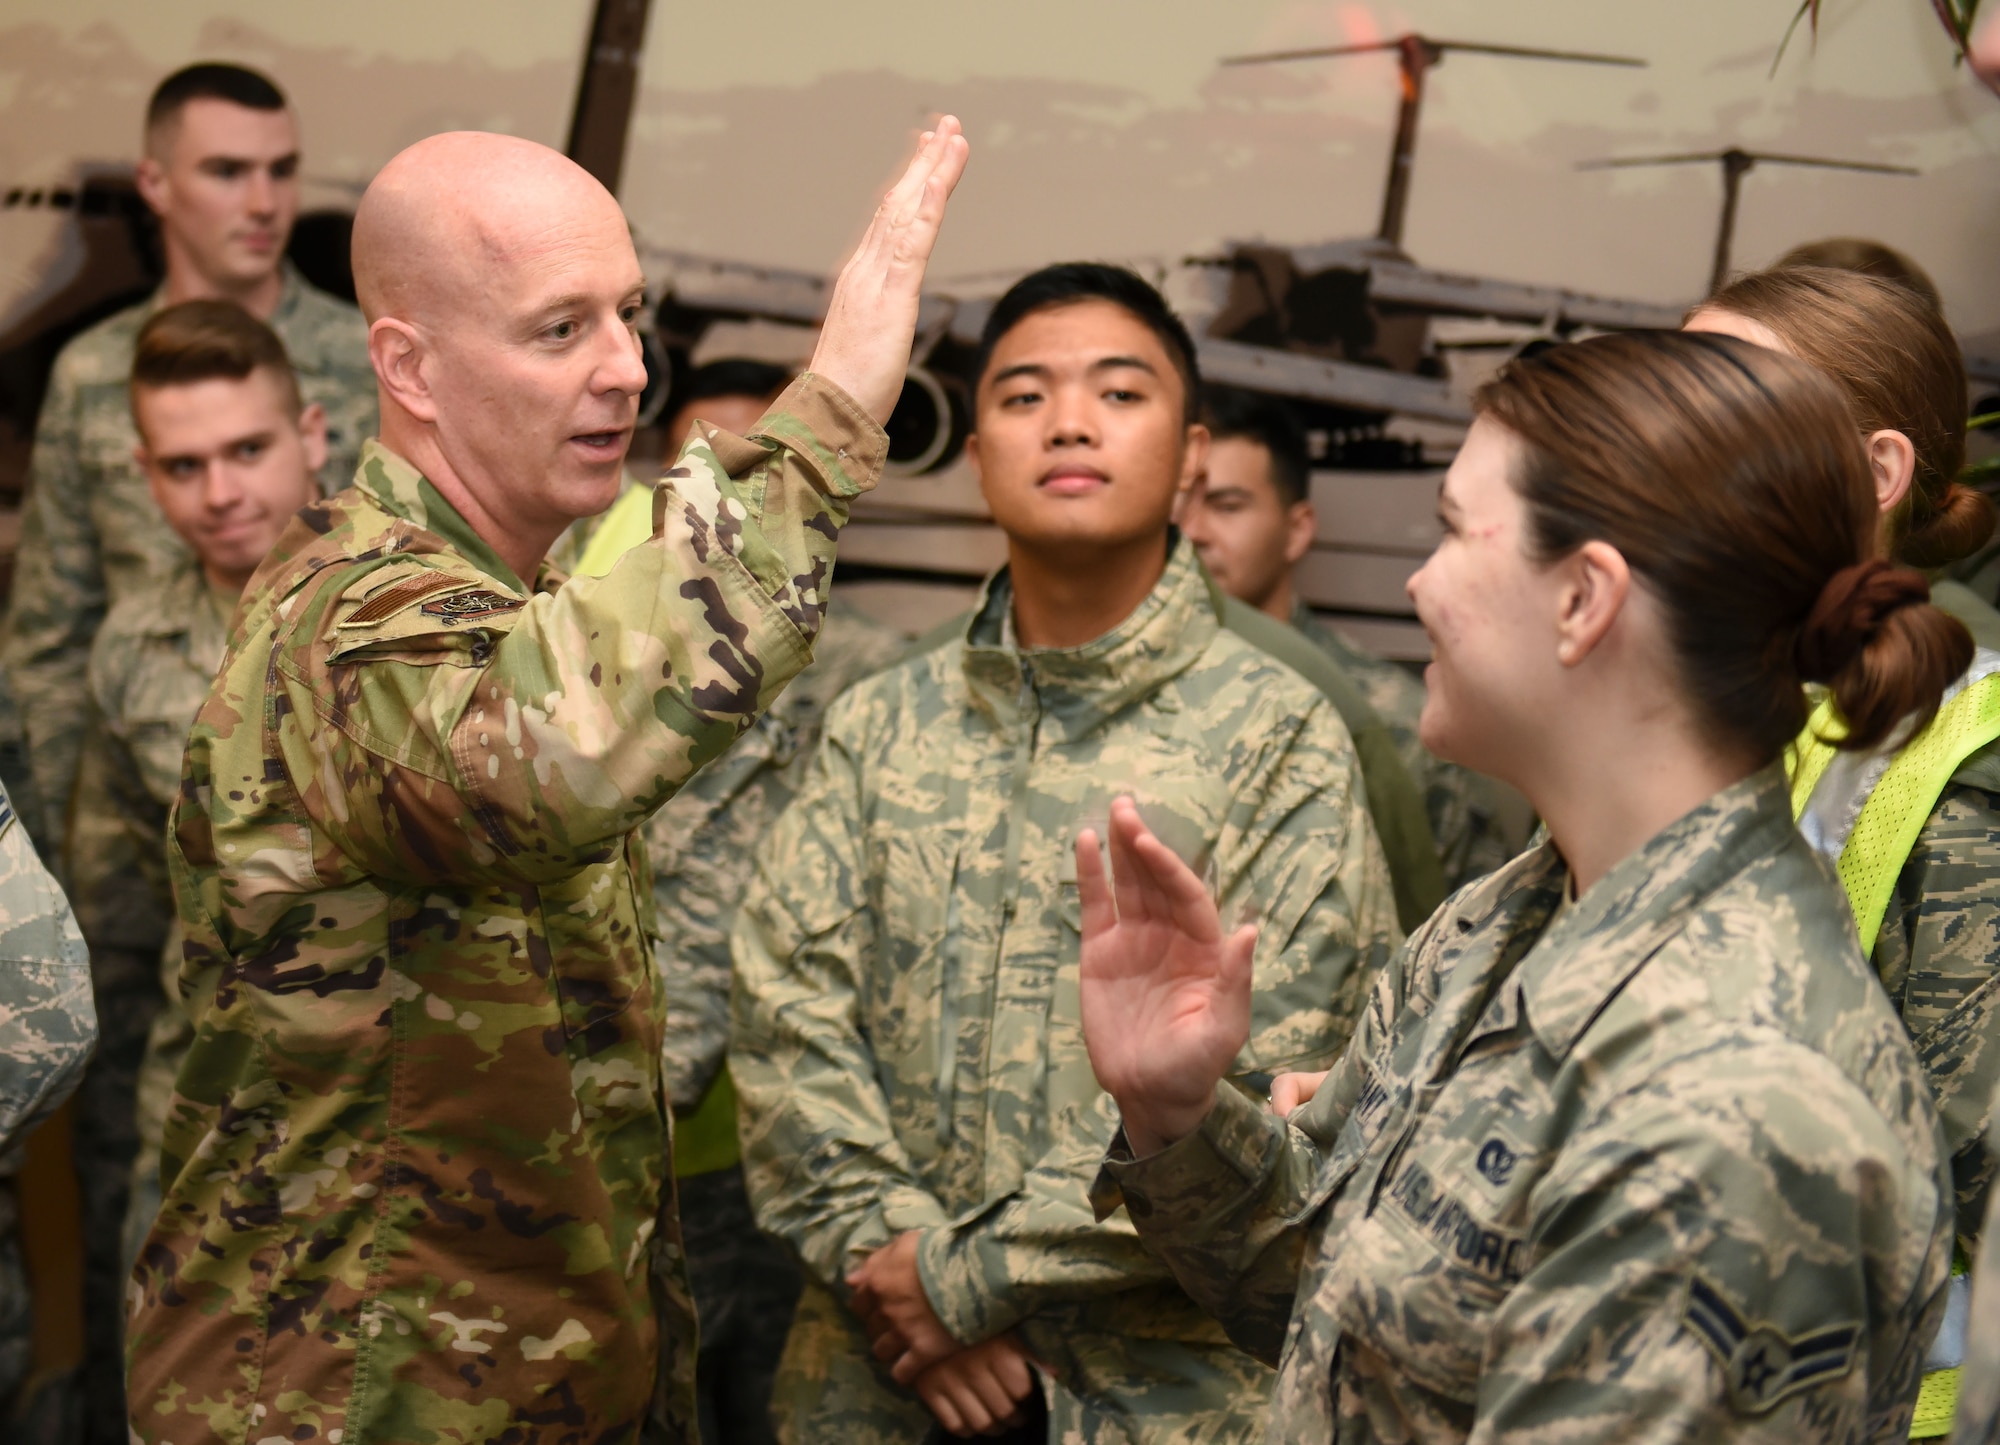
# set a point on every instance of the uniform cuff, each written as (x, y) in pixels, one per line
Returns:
(818, 422)
(966, 1279)
(1204, 1173)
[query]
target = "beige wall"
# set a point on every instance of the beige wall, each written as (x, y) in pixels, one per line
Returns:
(1104, 128)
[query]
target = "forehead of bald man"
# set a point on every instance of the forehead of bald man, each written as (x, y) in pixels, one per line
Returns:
(450, 216)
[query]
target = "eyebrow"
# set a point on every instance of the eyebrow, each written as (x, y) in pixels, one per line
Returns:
(1109, 363)
(290, 157)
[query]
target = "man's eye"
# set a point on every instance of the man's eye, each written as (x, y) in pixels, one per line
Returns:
(1021, 398)
(182, 471)
(630, 314)
(562, 331)
(1119, 393)
(285, 169)
(227, 170)
(250, 451)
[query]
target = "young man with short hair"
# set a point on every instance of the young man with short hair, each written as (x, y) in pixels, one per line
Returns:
(919, 1118)
(1250, 516)
(220, 171)
(230, 451)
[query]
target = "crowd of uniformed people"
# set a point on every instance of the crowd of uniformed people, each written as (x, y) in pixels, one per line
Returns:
(534, 964)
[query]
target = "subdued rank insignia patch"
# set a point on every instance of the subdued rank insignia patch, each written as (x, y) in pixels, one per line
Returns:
(6, 814)
(471, 606)
(1760, 1363)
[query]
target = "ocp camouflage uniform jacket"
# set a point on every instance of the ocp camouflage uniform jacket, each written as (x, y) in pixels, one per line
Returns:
(1661, 1167)
(413, 1172)
(908, 1042)
(90, 533)
(1468, 835)
(47, 1020)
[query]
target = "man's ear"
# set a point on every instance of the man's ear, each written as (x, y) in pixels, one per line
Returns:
(1597, 582)
(1301, 526)
(1194, 458)
(312, 431)
(1892, 460)
(151, 179)
(397, 351)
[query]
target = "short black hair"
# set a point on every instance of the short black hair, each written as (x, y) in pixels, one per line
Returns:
(732, 376)
(1231, 411)
(1074, 281)
(211, 80)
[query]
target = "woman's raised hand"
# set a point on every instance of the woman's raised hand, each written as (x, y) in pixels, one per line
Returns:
(1166, 994)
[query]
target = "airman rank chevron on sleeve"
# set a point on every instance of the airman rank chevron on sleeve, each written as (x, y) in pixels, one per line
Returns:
(1763, 1364)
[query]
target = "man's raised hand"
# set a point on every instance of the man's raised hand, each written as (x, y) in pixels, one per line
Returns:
(1166, 994)
(864, 345)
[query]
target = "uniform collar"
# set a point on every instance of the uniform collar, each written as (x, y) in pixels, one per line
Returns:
(1581, 962)
(291, 290)
(1077, 688)
(399, 489)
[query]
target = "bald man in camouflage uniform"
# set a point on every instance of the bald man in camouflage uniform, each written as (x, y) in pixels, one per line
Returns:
(413, 1172)
(47, 1028)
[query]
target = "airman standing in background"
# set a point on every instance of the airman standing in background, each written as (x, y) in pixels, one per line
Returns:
(1250, 516)
(919, 1120)
(221, 172)
(230, 452)
(702, 847)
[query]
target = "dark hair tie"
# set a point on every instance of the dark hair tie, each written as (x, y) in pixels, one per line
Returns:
(1852, 607)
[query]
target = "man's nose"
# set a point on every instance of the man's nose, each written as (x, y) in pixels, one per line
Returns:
(220, 489)
(623, 367)
(1072, 421)
(263, 197)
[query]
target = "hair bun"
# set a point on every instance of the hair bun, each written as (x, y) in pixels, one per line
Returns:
(1960, 524)
(1852, 608)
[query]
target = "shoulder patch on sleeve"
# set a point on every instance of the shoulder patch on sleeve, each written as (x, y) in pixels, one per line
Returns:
(1761, 1364)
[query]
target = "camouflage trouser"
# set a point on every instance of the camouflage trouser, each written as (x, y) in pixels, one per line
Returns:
(745, 1288)
(127, 987)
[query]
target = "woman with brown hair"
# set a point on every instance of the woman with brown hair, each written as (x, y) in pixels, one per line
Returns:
(1913, 824)
(1629, 1144)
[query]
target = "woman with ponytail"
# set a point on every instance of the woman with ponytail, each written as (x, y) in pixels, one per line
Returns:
(1629, 1144)
(1912, 825)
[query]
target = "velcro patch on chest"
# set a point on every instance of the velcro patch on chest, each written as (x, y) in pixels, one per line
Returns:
(1760, 1363)
(471, 606)
(1495, 1255)
(388, 601)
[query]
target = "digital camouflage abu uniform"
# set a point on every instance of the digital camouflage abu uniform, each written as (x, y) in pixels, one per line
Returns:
(91, 534)
(908, 1042)
(702, 847)
(1979, 1395)
(47, 1026)
(1659, 1166)
(1468, 834)
(414, 1171)
(150, 669)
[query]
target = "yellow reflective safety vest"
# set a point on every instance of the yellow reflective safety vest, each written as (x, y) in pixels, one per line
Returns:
(1865, 811)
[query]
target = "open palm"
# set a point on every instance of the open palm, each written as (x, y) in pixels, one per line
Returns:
(1166, 993)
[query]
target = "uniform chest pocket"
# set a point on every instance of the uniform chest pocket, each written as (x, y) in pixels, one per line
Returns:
(1440, 1253)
